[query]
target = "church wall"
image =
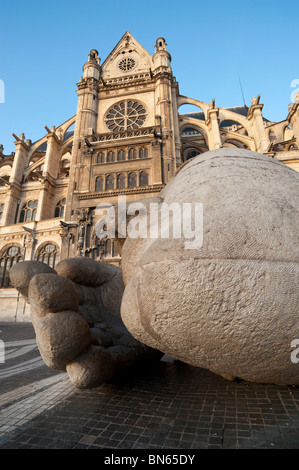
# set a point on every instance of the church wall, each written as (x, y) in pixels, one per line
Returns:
(151, 82)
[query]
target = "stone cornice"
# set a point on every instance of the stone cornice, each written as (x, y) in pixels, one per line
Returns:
(118, 192)
(128, 80)
(121, 135)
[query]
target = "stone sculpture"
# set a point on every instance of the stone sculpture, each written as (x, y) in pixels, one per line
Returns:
(229, 304)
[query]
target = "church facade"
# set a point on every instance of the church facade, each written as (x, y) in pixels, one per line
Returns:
(128, 137)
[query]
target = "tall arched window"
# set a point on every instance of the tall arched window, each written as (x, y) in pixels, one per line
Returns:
(48, 254)
(99, 186)
(143, 179)
(1, 211)
(192, 154)
(107, 249)
(110, 182)
(9, 257)
(28, 212)
(121, 155)
(60, 208)
(143, 152)
(121, 182)
(100, 158)
(132, 154)
(132, 180)
(110, 156)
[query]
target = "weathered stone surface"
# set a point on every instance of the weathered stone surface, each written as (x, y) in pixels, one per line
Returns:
(61, 337)
(49, 293)
(91, 368)
(22, 273)
(230, 305)
(86, 271)
(69, 317)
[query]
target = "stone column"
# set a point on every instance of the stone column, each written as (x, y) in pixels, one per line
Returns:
(293, 117)
(86, 123)
(50, 173)
(29, 243)
(157, 162)
(213, 125)
(20, 162)
(165, 107)
(258, 131)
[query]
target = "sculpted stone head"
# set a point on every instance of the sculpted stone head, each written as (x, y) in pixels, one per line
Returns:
(223, 294)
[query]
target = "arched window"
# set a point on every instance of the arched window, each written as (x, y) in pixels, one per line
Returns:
(9, 257)
(132, 180)
(60, 208)
(99, 186)
(132, 154)
(100, 158)
(1, 211)
(48, 254)
(110, 182)
(192, 154)
(143, 152)
(110, 156)
(143, 179)
(190, 131)
(121, 182)
(121, 155)
(28, 212)
(107, 249)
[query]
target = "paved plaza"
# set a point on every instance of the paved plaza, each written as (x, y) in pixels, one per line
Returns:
(168, 406)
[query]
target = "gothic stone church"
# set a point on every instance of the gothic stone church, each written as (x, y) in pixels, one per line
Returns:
(127, 138)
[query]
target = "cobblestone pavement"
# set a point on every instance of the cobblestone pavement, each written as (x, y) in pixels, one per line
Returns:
(168, 406)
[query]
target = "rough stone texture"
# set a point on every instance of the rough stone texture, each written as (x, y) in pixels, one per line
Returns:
(91, 368)
(61, 336)
(79, 327)
(45, 294)
(22, 273)
(85, 271)
(231, 305)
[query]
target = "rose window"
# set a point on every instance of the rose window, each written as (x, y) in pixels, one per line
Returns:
(126, 64)
(125, 115)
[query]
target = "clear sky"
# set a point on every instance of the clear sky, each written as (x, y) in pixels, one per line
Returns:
(213, 44)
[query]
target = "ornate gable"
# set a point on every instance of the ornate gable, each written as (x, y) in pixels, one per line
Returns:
(127, 58)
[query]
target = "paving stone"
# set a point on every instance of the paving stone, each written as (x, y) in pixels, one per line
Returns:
(169, 406)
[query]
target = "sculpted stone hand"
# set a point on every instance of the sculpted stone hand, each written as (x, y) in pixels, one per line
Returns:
(75, 311)
(229, 304)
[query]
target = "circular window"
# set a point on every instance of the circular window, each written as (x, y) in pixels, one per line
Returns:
(126, 64)
(125, 115)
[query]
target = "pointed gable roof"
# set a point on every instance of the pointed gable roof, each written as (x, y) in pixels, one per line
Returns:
(133, 52)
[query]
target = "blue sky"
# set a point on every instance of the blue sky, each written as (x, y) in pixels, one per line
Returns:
(44, 44)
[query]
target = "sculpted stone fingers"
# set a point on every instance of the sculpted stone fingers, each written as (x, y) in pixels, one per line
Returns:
(85, 271)
(61, 332)
(75, 311)
(21, 274)
(61, 337)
